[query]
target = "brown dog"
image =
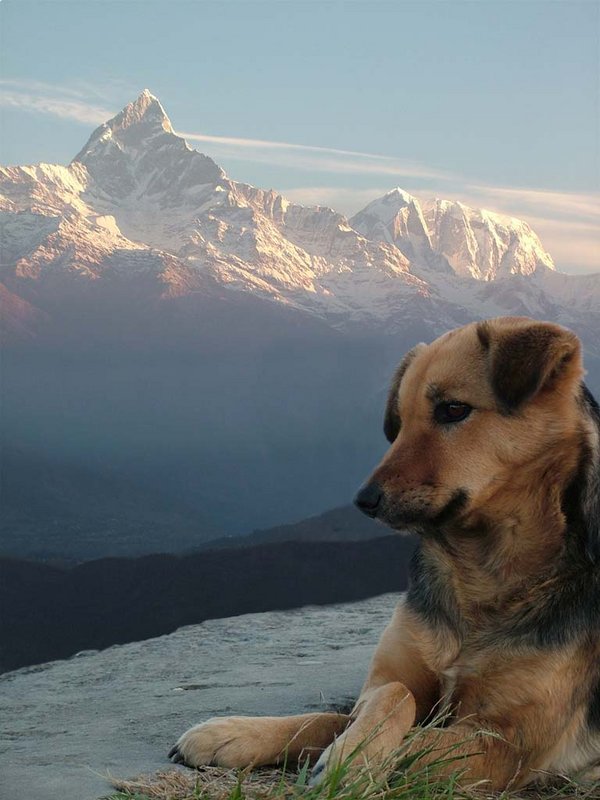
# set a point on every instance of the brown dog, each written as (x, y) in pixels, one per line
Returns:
(495, 462)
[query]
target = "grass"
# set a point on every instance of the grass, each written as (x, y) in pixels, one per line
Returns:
(420, 783)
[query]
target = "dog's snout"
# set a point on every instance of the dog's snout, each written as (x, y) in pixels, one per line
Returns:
(369, 498)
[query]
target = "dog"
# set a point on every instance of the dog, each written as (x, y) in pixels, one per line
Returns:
(494, 460)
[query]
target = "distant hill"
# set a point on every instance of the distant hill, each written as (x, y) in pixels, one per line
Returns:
(58, 509)
(61, 511)
(340, 524)
(49, 612)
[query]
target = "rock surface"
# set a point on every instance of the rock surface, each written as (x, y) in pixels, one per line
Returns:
(67, 725)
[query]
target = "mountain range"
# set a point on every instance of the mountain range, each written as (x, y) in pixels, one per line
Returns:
(138, 207)
(223, 349)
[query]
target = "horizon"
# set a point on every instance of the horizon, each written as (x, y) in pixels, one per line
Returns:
(276, 124)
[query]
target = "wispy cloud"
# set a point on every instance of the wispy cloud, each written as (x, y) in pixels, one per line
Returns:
(579, 205)
(311, 157)
(66, 107)
(85, 91)
(306, 156)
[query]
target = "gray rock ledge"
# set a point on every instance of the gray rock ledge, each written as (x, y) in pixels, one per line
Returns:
(67, 725)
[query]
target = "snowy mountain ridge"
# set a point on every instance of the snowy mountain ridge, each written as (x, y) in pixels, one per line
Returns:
(474, 243)
(138, 201)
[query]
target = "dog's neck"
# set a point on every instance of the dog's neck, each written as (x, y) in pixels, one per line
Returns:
(498, 556)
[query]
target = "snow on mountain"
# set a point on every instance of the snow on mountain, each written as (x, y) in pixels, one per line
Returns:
(138, 201)
(482, 244)
(397, 218)
(474, 242)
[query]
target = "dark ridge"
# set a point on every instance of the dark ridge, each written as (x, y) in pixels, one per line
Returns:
(49, 613)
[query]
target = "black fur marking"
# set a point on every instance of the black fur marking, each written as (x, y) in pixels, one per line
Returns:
(483, 334)
(569, 610)
(517, 366)
(593, 715)
(428, 595)
(590, 400)
(522, 360)
(457, 502)
(391, 421)
(581, 502)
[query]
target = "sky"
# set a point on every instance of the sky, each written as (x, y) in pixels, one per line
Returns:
(494, 103)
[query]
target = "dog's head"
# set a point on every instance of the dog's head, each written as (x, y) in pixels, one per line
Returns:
(474, 417)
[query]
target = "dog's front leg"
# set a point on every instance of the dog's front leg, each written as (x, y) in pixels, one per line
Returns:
(384, 715)
(256, 741)
(481, 756)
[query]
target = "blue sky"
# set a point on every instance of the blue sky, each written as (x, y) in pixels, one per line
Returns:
(493, 103)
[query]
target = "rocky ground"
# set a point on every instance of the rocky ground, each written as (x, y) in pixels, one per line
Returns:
(69, 725)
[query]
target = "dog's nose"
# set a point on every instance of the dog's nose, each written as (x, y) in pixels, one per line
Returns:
(368, 499)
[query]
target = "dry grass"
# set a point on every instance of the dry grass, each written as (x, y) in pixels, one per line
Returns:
(407, 779)
(214, 783)
(209, 783)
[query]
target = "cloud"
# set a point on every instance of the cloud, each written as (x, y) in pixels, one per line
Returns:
(310, 157)
(63, 107)
(572, 205)
(81, 89)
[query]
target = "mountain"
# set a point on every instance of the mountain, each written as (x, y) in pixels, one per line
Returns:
(140, 212)
(219, 350)
(338, 525)
(138, 203)
(472, 243)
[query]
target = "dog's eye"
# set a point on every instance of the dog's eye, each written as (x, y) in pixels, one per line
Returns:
(446, 413)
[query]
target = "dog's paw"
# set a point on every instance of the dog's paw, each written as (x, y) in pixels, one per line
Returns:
(222, 742)
(347, 749)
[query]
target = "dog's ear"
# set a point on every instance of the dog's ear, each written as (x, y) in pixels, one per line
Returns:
(524, 356)
(391, 421)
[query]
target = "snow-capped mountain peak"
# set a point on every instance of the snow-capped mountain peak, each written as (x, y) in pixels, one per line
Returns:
(475, 243)
(133, 127)
(399, 195)
(136, 152)
(482, 244)
(138, 207)
(397, 218)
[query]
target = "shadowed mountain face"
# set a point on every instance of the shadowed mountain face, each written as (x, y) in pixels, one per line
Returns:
(189, 357)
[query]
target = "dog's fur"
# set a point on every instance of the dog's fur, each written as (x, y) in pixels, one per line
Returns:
(501, 623)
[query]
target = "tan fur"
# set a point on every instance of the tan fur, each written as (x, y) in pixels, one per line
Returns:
(509, 535)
